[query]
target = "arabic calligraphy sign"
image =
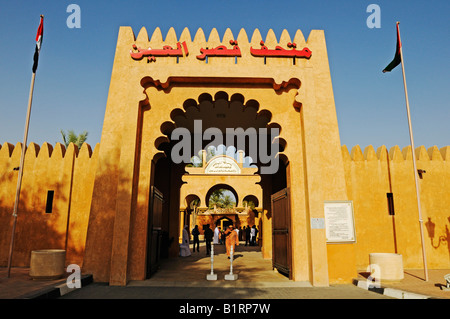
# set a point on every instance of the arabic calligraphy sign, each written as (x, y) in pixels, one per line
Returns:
(280, 52)
(220, 51)
(222, 165)
(165, 51)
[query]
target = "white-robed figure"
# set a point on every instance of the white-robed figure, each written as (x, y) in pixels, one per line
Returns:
(216, 236)
(252, 235)
(184, 246)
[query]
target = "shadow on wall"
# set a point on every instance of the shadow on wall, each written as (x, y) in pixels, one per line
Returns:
(50, 201)
(443, 237)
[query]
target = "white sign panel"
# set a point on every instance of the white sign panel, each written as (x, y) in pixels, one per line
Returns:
(339, 222)
(222, 165)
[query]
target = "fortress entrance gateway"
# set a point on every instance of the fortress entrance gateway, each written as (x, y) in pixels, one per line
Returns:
(219, 184)
(170, 100)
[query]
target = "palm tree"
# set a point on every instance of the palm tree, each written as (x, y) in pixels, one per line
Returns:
(71, 137)
(215, 198)
(222, 199)
(227, 201)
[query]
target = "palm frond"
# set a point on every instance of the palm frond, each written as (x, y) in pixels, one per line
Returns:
(72, 137)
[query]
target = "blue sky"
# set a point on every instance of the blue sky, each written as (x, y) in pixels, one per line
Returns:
(75, 64)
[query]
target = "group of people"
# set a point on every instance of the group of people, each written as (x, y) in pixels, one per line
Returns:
(230, 237)
(250, 235)
(247, 234)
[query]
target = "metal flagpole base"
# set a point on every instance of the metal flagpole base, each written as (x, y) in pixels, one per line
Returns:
(212, 275)
(231, 277)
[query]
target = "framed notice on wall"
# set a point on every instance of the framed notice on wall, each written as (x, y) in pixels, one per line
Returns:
(339, 222)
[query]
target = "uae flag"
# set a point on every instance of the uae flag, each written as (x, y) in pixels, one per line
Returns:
(398, 56)
(39, 38)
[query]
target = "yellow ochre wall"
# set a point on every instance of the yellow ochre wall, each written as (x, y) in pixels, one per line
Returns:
(70, 174)
(369, 176)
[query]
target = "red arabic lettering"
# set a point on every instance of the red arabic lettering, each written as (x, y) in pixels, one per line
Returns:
(221, 51)
(165, 51)
(280, 52)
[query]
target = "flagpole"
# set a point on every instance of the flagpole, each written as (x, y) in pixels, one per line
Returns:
(22, 157)
(19, 180)
(414, 162)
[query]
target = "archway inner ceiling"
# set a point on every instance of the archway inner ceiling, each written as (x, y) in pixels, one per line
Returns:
(223, 113)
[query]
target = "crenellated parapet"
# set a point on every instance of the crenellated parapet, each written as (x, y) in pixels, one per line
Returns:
(395, 153)
(45, 151)
(213, 45)
(206, 54)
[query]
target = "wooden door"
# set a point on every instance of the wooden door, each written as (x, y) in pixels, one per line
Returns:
(154, 231)
(281, 245)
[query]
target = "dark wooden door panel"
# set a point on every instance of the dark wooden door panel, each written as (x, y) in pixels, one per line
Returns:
(154, 231)
(281, 253)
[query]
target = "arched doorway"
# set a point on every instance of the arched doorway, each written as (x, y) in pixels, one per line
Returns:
(192, 203)
(224, 222)
(221, 196)
(250, 201)
(220, 113)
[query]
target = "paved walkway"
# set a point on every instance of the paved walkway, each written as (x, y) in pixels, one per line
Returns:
(414, 286)
(185, 278)
(248, 265)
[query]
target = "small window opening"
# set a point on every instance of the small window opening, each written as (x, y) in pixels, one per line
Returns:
(390, 199)
(49, 205)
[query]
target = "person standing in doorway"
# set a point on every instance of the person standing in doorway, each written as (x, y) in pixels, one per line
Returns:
(253, 234)
(222, 236)
(231, 240)
(247, 235)
(216, 235)
(184, 246)
(195, 233)
(208, 237)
